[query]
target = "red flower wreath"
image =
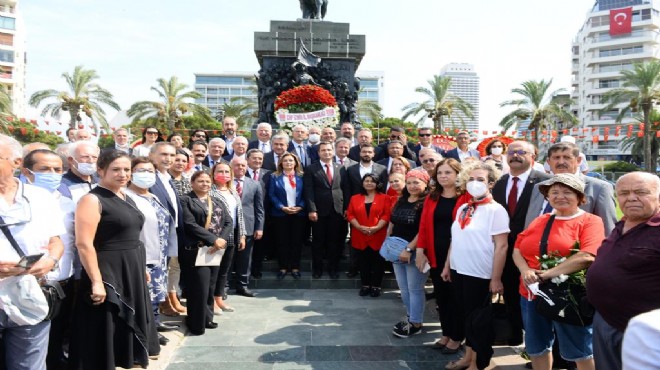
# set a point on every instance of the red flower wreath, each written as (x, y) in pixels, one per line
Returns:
(306, 98)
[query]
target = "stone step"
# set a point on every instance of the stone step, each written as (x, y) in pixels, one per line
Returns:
(269, 281)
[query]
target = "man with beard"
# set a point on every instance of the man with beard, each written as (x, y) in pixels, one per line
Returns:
(198, 149)
(348, 131)
(228, 134)
(364, 137)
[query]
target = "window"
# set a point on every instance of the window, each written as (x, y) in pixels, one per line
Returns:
(6, 56)
(212, 91)
(7, 23)
(369, 84)
(621, 51)
(604, 84)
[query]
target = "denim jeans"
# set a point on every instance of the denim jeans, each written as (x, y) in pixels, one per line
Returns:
(411, 283)
(25, 346)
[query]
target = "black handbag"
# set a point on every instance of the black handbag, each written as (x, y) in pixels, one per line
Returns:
(52, 289)
(501, 324)
(570, 304)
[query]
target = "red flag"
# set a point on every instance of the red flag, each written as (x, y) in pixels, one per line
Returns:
(620, 21)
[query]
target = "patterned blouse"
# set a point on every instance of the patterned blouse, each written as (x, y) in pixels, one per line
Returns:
(182, 186)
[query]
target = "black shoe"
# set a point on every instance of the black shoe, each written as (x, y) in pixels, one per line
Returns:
(165, 327)
(430, 296)
(281, 275)
(162, 340)
(364, 291)
(245, 292)
(257, 275)
(296, 275)
(333, 274)
(351, 274)
(317, 274)
(211, 325)
(375, 292)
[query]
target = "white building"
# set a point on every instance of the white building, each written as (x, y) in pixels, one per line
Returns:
(464, 84)
(219, 88)
(12, 55)
(597, 60)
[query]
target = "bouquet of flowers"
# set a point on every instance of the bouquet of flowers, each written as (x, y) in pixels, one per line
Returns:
(553, 259)
(310, 105)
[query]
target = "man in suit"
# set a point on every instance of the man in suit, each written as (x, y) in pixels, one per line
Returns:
(395, 149)
(396, 134)
(325, 204)
(329, 135)
(162, 155)
(461, 152)
(264, 133)
(298, 146)
(428, 159)
(347, 130)
(342, 146)
(229, 127)
(279, 144)
(253, 214)
(425, 135)
(364, 137)
(199, 151)
(239, 148)
(216, 148)
(121, 141)
(565, 158)
(513, 192)
(261, 246)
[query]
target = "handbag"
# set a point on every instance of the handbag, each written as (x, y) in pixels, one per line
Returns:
(501, 324)
(52, 290)
(392, 248)
(566, 303)
(204, 257)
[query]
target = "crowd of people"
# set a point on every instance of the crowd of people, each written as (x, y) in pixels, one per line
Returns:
(120, 229)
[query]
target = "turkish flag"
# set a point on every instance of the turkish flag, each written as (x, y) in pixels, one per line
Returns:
(620, 21)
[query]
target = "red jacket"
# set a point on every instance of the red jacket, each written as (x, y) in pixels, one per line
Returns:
(380, 210)
(426, 236)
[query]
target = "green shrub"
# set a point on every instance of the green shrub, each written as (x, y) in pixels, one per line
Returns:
(621, 166)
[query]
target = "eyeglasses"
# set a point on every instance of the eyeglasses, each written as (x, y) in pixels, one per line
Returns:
(430, 160)
(395, 137)
(520, 152)
(152, 132)
(424, 135)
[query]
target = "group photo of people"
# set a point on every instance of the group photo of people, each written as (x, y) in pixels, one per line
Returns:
(134, 233)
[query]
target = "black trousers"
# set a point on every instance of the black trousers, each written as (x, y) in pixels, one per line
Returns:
(470, 293)
(327, 241)
(511, 281)
(199, 284)
(60, 329)
(289, 238)
(445, 299)
(372, 267)
(263, 247)
(223, 270)
(242, 263)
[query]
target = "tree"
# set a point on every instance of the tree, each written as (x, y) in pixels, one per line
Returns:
(172, 106)
(535, 104)
(441, 103)
(636, 143)
(84, 96)
(640, 91)
(243, 108)
(6, 116)
(369, 110)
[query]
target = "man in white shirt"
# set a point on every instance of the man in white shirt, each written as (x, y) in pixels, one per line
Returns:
(298, 146)
(264, 134)
(216, 148)
(239, 148)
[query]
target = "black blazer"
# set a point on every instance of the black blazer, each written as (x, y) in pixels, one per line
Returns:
(207, 163)
(386, 161)
(382, 153)
(517, 220)
(353, 182)
(418, 147)
(194, 220)
(354, 153)
(320, 196)
(269, 161)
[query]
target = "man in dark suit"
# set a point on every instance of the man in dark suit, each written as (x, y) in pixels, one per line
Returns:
(513, 192)
(396, 134)
(325, 204)
(216, 148)
(239, 148)
(298, 146)
(229, 127)
(425, 135)
(279, 144)
(364, 137)
(121, 141)
(199, 151)
(252, 200)
(264, 133)
(462, 151)
(342, 146)
(261, 247)
(395, 149)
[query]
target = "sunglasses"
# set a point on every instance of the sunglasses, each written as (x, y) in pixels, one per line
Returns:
(430, 160)
(152, 132)
(198, 135)
(424, 135)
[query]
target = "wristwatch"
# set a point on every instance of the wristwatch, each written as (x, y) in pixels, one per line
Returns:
(409, 250)
(57, 262)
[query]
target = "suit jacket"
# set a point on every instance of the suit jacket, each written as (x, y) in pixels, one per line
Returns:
(253, 206)
(352, 183)
(254, 144)
(308, 156)
(228, 146)
(194, 219)
(206, 162)
(386, 161)
(269, 162)
(347, 162)
(204, 168)
(277, 194)
(418, 147)
(453, 153)
(517, 220)
(314, 154)
(600, 201)
(382, 153)
(321, 196)
(380, 210)
(161, 193)
(112, 147)
(354, 153)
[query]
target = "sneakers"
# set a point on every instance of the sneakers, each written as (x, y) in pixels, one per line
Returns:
(401, 323)
(407, 330)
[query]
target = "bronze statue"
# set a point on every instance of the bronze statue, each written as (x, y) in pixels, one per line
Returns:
(313, 9)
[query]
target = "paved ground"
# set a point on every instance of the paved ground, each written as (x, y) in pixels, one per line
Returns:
(313, 329)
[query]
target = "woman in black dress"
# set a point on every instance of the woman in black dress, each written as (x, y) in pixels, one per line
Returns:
(199, 281)
(113, 321)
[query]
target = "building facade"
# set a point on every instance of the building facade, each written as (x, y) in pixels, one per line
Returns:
(464, 84)
(239, 87)
(12, 55)
(597, 61)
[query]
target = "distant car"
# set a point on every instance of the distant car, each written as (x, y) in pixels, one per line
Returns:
(600, 176)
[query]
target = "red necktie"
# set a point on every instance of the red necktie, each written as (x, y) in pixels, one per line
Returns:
(512, 201)
(239, 188)
(256, 175)
(341, 161)
(328, 173)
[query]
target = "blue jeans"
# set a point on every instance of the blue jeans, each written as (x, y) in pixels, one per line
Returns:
(25, 346)
(411, 283)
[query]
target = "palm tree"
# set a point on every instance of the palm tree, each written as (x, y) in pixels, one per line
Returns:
(172, 105)
(640, 91)
(636, 143)
(369, 110)
(6, 115)
(84, 95)
(535, 104)
(243, 108)
(441, 102)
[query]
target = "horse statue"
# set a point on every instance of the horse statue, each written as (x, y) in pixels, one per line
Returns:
(313, 9)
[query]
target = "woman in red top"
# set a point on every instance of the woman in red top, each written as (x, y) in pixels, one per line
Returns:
(565, 193)
(433, 241)
(396, 182)
(369, 214)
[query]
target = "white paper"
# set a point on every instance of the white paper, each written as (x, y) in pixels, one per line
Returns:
(426, 269)
(206, 258)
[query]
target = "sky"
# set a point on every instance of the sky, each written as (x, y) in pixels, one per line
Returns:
(130, 44)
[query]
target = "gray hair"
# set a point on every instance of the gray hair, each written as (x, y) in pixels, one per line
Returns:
(240, 138)
(281, 135)
(648, 178)
(253, 151)
(343, 140)
(237, 160)
(217, 139)
(73, 147)
(266, 125)
(14, 145)
(300, 126)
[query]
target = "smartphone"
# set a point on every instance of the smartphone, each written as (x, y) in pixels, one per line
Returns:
(26, 262)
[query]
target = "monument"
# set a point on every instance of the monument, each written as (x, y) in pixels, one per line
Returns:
(308, 51)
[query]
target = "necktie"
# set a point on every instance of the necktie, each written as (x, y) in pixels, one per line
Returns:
(547, 209)
(198, 167)
(239, 188)
(256, 175)
(328, 173)
(263, 147)
(512, 201)
(341, 161)
(301, 154)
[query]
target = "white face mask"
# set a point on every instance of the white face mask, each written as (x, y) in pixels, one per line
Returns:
(496, 151)
(477, 188)
(143, 180)
(86, 169)
(314, 138)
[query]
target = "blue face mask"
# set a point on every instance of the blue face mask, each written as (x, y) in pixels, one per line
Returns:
(47, 180)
